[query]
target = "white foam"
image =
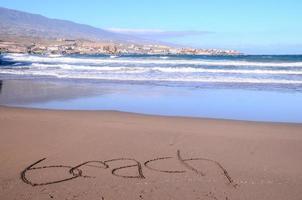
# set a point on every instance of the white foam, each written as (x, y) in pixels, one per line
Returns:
(102, 69)
(89, 68)
(30, 58)
(162, 69)
(113, 77)
(201, 70)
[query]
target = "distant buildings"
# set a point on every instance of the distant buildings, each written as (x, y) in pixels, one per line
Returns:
(71, 46)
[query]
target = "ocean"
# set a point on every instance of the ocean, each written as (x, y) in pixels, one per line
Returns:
(284, 72)
(229, 87)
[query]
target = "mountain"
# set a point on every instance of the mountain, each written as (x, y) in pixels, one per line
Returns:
(15, 23)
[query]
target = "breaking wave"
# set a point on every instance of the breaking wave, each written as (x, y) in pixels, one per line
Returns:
(166, 61)
(155, 68)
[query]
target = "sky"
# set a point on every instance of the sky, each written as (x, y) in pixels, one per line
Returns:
(250, 26)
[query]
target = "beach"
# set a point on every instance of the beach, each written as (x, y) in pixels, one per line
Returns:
(192, 100)
(150, 127)
(57, 154)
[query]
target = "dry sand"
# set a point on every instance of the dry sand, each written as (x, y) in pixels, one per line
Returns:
(114, 155)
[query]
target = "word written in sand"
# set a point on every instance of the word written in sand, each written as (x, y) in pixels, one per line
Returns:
(77, 171)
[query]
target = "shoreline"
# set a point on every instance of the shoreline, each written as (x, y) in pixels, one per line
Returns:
(116, 155)
(149, 115)
(205, 102)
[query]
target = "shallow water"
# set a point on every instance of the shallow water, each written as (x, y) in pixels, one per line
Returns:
(240, 104)
(258, 88)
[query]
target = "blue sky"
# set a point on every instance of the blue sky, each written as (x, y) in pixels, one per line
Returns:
(254, 26)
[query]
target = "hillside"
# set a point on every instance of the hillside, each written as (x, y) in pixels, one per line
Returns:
(21, 24)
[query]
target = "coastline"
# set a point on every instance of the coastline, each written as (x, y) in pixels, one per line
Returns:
(175, 157)
(150, 115)
(251, 104)
(65, 46)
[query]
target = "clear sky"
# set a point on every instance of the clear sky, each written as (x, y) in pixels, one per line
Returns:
(251, 26)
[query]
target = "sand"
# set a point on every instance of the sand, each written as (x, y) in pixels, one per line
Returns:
(108, 155)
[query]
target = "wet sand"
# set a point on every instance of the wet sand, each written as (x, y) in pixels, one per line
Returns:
(48, 154)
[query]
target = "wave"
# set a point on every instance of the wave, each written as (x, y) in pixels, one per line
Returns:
(163, 69)
(88, 68)
(147, 78)
(120, 60)
(152, 70)
(164, 57)
(233, 71)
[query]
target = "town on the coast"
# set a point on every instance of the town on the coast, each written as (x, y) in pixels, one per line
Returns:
(80, 46)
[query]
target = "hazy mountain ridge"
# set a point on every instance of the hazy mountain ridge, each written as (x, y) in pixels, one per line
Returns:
(18, 23)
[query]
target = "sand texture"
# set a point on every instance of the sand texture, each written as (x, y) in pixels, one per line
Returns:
(106, 155)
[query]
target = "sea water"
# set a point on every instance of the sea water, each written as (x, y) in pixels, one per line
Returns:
(258, 88)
